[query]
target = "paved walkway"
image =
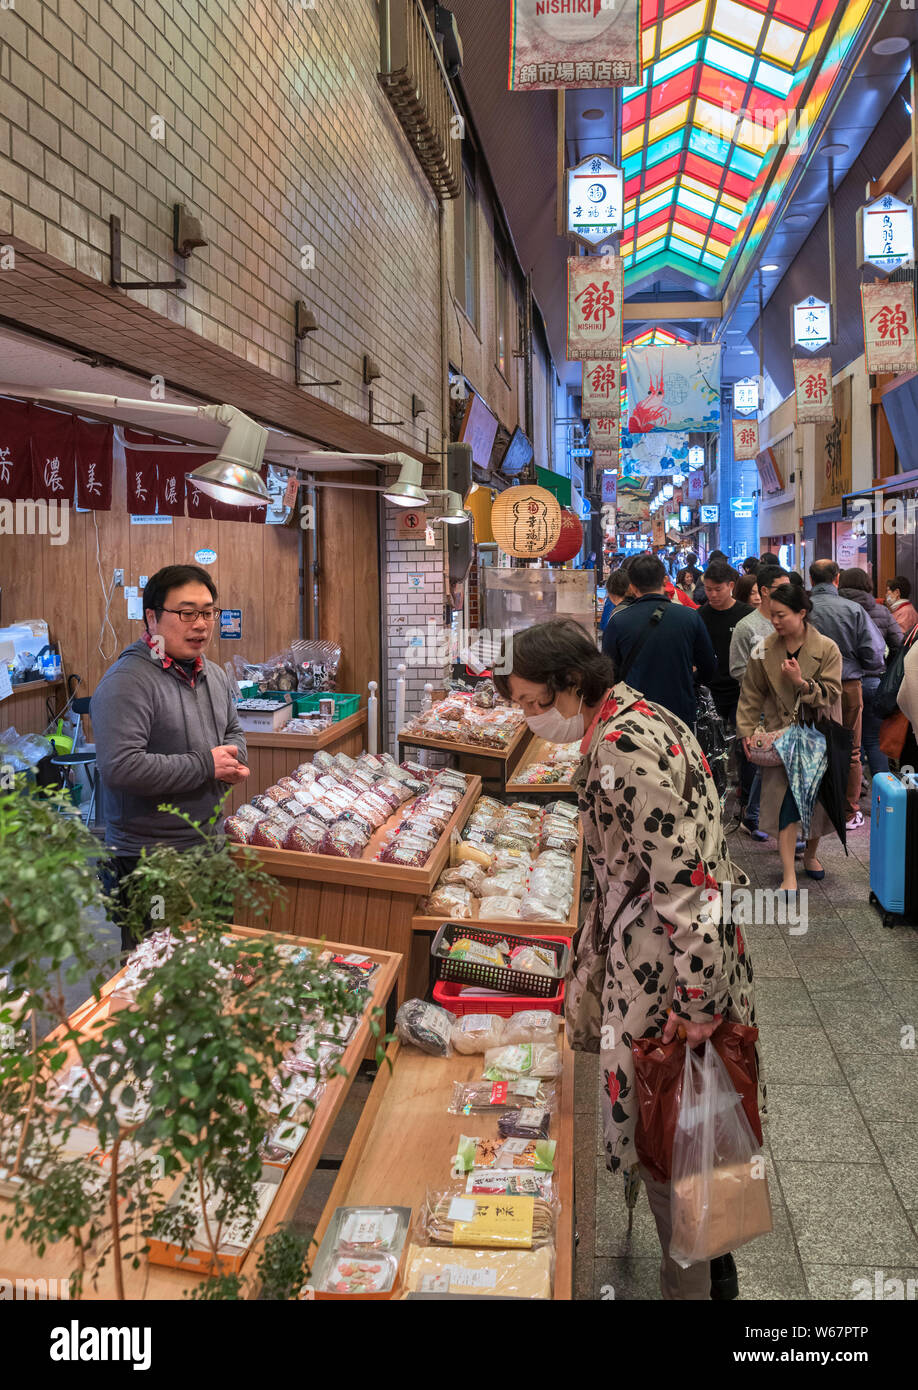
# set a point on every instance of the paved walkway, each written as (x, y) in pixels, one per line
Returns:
(838, 1010)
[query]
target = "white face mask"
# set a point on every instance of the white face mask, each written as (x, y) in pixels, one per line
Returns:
(554, 728)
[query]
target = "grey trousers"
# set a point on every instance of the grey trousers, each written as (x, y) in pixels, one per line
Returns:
(676, 1284)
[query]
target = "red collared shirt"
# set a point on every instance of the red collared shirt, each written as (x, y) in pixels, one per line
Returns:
(168, 661)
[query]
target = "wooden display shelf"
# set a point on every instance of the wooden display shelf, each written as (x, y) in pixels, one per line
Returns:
(535, 752)
(488, 763)
(275, 755)
(424, 923)
(31, 687)
(18, 1260)
(357, 900)
(380, 1168)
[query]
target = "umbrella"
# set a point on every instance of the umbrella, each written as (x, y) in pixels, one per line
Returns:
(802, 750)
(833, 793)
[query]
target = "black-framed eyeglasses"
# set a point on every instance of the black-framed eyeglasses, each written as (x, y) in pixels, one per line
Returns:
(189, 615)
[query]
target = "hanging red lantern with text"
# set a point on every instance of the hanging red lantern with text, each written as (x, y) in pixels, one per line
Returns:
(569, 541)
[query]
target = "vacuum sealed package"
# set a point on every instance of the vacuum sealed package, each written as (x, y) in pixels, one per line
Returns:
(529, 1122)
(323, 761)
(496, 909)
(532, 1025)
(305, 834)
(468, 874)
(478, 952)
(522, 1059)
(270, 834)
(526, 808)
(373, 814)
(324, 813)
(487, 1222)
(500, 1273)
(535, 959)
(361, 824)
(504, 1153)
(344, 840)
(282, 1142)
(477, 1032)
(426, 1026)
(249, 813)
(277, 792)
(563, 808)
(449, 900)
(467, 853)
(506, 883)
(263, 803)
(408, 851)
(516, 1182)
(289, 784)
(482, 1097)
(305, 772)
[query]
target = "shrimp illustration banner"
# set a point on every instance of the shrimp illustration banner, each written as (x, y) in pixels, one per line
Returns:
(674, 387)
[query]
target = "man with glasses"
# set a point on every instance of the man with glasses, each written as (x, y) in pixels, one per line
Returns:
(166, 729)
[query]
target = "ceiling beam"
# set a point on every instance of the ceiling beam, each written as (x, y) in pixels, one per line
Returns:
(676, 310)
(894, 175)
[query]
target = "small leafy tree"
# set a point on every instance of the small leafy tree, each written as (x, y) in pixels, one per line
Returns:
(179, 1084)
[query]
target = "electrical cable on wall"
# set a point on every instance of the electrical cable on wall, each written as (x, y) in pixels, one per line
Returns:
(108, 602)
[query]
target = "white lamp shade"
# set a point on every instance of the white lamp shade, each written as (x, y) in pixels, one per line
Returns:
(230, 482)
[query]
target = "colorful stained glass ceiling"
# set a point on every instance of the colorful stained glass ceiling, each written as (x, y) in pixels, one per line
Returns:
(722, 79)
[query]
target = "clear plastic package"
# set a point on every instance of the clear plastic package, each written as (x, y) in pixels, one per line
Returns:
(344, 840)
(496, 909)
(500, 1273)
(468, 874)
(450, 900)
(535, 959)
(477, 1032)
(486, 1222)
(474, 1152)
(467, 853)
(426, 1026)
(532, 1025)
(516, 1182)
(277, 792)
(263, 803)
(355, 1275)
(485, 1097)
(522, 1059)
(373, 814)
(239, 830)
(528, 1122)
(270, 834)
(305, 773)
(305, 835)
(505, 883)
(249, 813)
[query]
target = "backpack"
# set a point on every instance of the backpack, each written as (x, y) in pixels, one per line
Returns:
(885, 701)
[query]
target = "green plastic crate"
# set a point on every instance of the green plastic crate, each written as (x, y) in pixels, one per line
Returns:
(304, 703)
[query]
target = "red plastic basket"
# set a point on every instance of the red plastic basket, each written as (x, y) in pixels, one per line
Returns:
(447, 994)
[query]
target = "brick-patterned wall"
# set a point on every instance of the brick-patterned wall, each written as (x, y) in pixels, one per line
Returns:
(277, 136)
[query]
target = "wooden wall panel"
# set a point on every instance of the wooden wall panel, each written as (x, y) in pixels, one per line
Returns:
(349, 582)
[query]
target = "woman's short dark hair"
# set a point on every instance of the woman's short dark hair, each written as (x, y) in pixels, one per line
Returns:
(618, 583)
(855, 579)
(750, 564)
(559, 654)
(744, 587)
(173, 577)
(795, 577)
(794, 597)
(900, 582)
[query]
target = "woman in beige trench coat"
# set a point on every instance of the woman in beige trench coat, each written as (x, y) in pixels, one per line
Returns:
(660, 860)
(794, 667)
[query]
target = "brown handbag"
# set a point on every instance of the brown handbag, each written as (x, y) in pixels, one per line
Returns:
(893, 731)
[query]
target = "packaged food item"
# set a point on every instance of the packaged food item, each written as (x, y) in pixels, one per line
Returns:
(449, 777)
(371, 762)
(534, 908)
(496, 909)
(467, 853)
(321, 811)
(282, 1142)
(350, 1274)
(323, 761)
(563, 808)
(277, 792)
(501, 1273)
(485, 694)
(240, 831)
(425, 826)
(344, 762)
(281, 816)
(305, 773)
(263, 803)
(529, 1122)
(449, 900)
(477, 1032)
(505, 1153)
(305, 834)
(344, 840)
(270, 834)
(506, 883)
(532, 1025)
(535, 959)
(498, 1222)
(426, 1026)
(372, 814)
(527, 808)
(516, 1182)
(363, 826)
(502, 859)
(468, 874)
(407, 851)
(290, 784)
(366, 1230)
(479, 952)
(249, 813)
(537, 1059)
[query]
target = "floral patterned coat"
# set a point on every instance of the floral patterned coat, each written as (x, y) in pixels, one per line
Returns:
(668, 948)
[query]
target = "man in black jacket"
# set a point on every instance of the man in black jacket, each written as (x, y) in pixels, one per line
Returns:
(670, 643)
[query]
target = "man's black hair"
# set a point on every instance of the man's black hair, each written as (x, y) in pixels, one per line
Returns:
(647, 574)
(170, 577)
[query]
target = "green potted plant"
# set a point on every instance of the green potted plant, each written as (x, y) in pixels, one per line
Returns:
(150, 1124)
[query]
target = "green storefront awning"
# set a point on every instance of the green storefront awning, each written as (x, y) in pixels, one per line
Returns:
(555, 483)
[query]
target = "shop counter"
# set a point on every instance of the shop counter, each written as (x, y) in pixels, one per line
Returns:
(19, 1261)
(358, 900)
(405, 1139)
(271, 756)
(490, 764)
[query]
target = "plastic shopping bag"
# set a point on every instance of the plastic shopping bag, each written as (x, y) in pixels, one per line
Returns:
(719, 1189)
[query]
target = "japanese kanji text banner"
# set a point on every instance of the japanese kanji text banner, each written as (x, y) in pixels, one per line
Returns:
(601, 389)
(813, 390)
(745, 439)
(595, 297)
(574, 43)
(889, 326)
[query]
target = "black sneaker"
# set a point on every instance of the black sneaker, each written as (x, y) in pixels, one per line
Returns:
(724, 1279)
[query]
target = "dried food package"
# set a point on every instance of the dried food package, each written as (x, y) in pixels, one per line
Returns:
(535, 960)
(477, 1032)
(449, 777)
(263, 803)
(496, 909)
(500, 1273)
(277, 792)
(526, 808)
(532, 1025)
(249, 813)
(269, 834)
(240, 831)
(487, 1222)
(290, 784)
(426, 1026)
(466, 948)
(522, 1059)
(507, 883)
(344, 763)
(305, 773)
(305, 834)
(468, 874)
(467, 852)
(450, 900)
(510, 859)
(343, 840)
(323, 761)
(370, 813)
(325, 813)
(504, 1153)
(529, 1122)
(564, 809)
(361, 824)
(516, 1182)
(280, 817)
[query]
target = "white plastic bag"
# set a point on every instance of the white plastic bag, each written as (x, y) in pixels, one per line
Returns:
(719, 1189)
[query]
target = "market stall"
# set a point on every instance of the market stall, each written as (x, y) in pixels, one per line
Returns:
(544, 769)
(484, 733)
(275, 755)
(159, 1281)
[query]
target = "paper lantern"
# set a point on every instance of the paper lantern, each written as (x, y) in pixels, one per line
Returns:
(570, 540)
(526, 521)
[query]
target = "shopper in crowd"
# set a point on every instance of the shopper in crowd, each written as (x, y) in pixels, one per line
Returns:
(747, 643)
(720, 615)
(686, 581)
(898, 594)
(862, 650)
(746, 590)
(799, 668)
(854, 584)
(657, 645)
(618, 587)
(907, 700)
(750, 564)
(166, 728)
(699, 595)
(651, 816)
(769, 558)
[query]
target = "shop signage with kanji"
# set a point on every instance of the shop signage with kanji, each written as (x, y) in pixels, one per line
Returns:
(811, 322)
(573, 43)
(605, 432)
(745, 439)
(813, 390)
(746, 395)
(889, 326)
(601, 388)
(594, 199)
(595, 295)
(885, 234)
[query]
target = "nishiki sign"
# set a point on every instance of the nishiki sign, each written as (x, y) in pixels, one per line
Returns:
(595, 291)
(889, 326)
(601, 388)
(813, 390)
(573, 43)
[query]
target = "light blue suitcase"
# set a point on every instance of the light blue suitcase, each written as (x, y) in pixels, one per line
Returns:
(894, 846)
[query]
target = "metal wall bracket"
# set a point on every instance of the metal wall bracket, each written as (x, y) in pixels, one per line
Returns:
(114, 225)
(374, 421)
(300, 380)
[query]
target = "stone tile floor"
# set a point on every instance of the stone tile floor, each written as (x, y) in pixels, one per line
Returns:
(837, 1007)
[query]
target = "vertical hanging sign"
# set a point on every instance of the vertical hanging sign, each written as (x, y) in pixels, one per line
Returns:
(813, 390)
(889, 326)
(745, 439)
(601, 389)
(595, 294)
